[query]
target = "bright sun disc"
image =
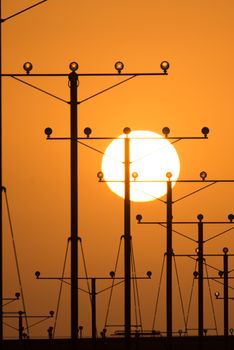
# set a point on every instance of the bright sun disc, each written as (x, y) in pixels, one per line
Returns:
(151, 157)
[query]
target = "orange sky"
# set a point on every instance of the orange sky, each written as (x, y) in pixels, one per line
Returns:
(196, 37)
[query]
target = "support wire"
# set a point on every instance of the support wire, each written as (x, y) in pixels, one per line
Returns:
(159, 288)
(136, 290)
(178, 282)
(60, 289)
(190, 299)
(16, 257)
(86, 273)
(212, 304)
(113, 282)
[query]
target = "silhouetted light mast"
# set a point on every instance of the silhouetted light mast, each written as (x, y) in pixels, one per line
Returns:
(200, 276)
(169, 255)
(1, 184)
(127, 236)
(73, 82)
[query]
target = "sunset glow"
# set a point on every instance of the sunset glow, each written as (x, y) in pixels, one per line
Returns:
(151, 157)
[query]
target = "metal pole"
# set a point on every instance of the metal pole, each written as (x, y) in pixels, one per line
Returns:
(73, 83)
(21, 328)
(225, 292)
(93, 291)
(200, 276)
(1, 253)
(127, 238)
(169, 259)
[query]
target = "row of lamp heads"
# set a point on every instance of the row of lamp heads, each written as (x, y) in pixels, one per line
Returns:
(119, 66)
(127, 130)
(112, 274)
(100, 175)
(166, 131)
(199, 217)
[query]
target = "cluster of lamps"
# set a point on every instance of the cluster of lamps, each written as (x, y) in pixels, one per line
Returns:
(119, 66)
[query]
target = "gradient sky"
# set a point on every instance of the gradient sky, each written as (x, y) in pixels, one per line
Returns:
(196, 37)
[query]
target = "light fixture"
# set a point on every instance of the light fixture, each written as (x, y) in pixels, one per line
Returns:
(166, 131)
(149, 274)
(48, 132)
(135, 175)
(73, 66)
(205, 131)
(217, 295)
(126, 131)
(112, 274)
(139, 218)
(164, 66)
(180, 331)
(200, 217)
(231, 217)
(37, 274)
(27, 67)
(119, 66)
(225, 250)
(168, 175)
(88, 132)
(203, 175)
(100, 176)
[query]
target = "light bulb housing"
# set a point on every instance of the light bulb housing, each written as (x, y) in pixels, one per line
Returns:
(169, 175)
(203, 175)
(48, 132)
(100, 176)
(88, 132)
(119, 66)
(166, 131)
(164, 66)
(139, 218)
(73, 66)
(135, 175)
(27, 67)
(205, 131)
(225, 250)
(200, 217)
(126, 130)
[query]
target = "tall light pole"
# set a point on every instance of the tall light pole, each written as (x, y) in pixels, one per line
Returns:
(1, 235)
(127, 236)
(169, 254)
(200, 276)
(73, 82)
(225, 292)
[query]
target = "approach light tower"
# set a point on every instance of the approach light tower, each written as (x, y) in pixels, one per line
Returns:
(73, 77)
(169, 227)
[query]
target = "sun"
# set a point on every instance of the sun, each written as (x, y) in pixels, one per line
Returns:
(151, 157)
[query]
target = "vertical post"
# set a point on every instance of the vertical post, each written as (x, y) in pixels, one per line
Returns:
(169, 259)
(1, 237)
(21, 328)
(225, 292)
(200, 276)
(93, 291)
(127, 237)
(73, 82)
